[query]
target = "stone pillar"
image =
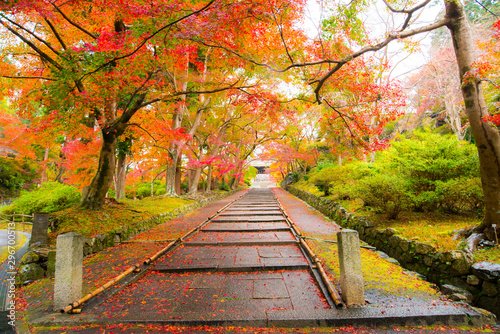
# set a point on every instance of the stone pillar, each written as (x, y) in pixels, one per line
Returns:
(351, 277)
(68, 272)
(39, 230)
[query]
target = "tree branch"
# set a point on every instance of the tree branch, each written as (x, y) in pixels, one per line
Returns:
(129, 112)
(147, 39)
(42, 54)
(149, 134)
(138, 90)
(19, 77)
(55, 33)
(176, 94)
(73, 23)
(491, 82)
(47, 44)
(280, 28)
(406, 11)
(305, 64)
(376, 47)
(486, 9)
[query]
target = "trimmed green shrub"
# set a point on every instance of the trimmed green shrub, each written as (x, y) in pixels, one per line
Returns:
(323, 178)
(461, 194)
(50, 197)
(427, 159)
(386, 193)
(339, 182)
(424, 172)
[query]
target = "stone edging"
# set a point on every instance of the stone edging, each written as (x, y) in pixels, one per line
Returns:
(39, 261)
(455, 271)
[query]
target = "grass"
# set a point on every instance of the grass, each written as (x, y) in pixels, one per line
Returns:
(436, 229)
(488, 254)
(377, 273)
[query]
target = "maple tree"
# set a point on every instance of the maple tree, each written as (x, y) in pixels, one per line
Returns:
(294, 150)
(329, 66)
(96, 64)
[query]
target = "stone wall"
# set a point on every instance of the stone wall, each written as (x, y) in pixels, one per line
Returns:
(454, 271)
(39, 261)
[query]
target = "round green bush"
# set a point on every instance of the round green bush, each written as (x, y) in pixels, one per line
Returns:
(386, 193)
(50, 197)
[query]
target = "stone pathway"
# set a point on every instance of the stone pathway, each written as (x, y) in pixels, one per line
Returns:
(245, 267)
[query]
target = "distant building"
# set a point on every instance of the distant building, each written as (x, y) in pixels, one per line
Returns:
(261, 165)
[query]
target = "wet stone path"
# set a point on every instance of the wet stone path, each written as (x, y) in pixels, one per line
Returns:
(245, 264)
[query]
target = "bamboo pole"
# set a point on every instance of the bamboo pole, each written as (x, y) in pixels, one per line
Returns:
(324, 277)
(333, 291)
(336, 242)
(158, 254)
(146, 241)
(100, 289)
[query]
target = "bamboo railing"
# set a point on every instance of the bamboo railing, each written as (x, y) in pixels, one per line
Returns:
(17, 218)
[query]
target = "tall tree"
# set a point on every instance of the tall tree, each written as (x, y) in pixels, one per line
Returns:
(486, 135)
(100, 62)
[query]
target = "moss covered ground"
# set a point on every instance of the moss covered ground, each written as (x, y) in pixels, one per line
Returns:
(433, 228)
(112, 216)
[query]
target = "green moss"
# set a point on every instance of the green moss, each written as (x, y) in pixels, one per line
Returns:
(112, 216)
(488, 254)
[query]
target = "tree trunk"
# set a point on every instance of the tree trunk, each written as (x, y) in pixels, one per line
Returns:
(121, 174)
(170, 177)
(209, 179)
(93, 196)
(43, 177)
(178, 176)
(196, 174)
(485, 134)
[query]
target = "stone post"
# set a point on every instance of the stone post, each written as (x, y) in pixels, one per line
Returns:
(68, 272)
(351, 277)
(39, 230)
